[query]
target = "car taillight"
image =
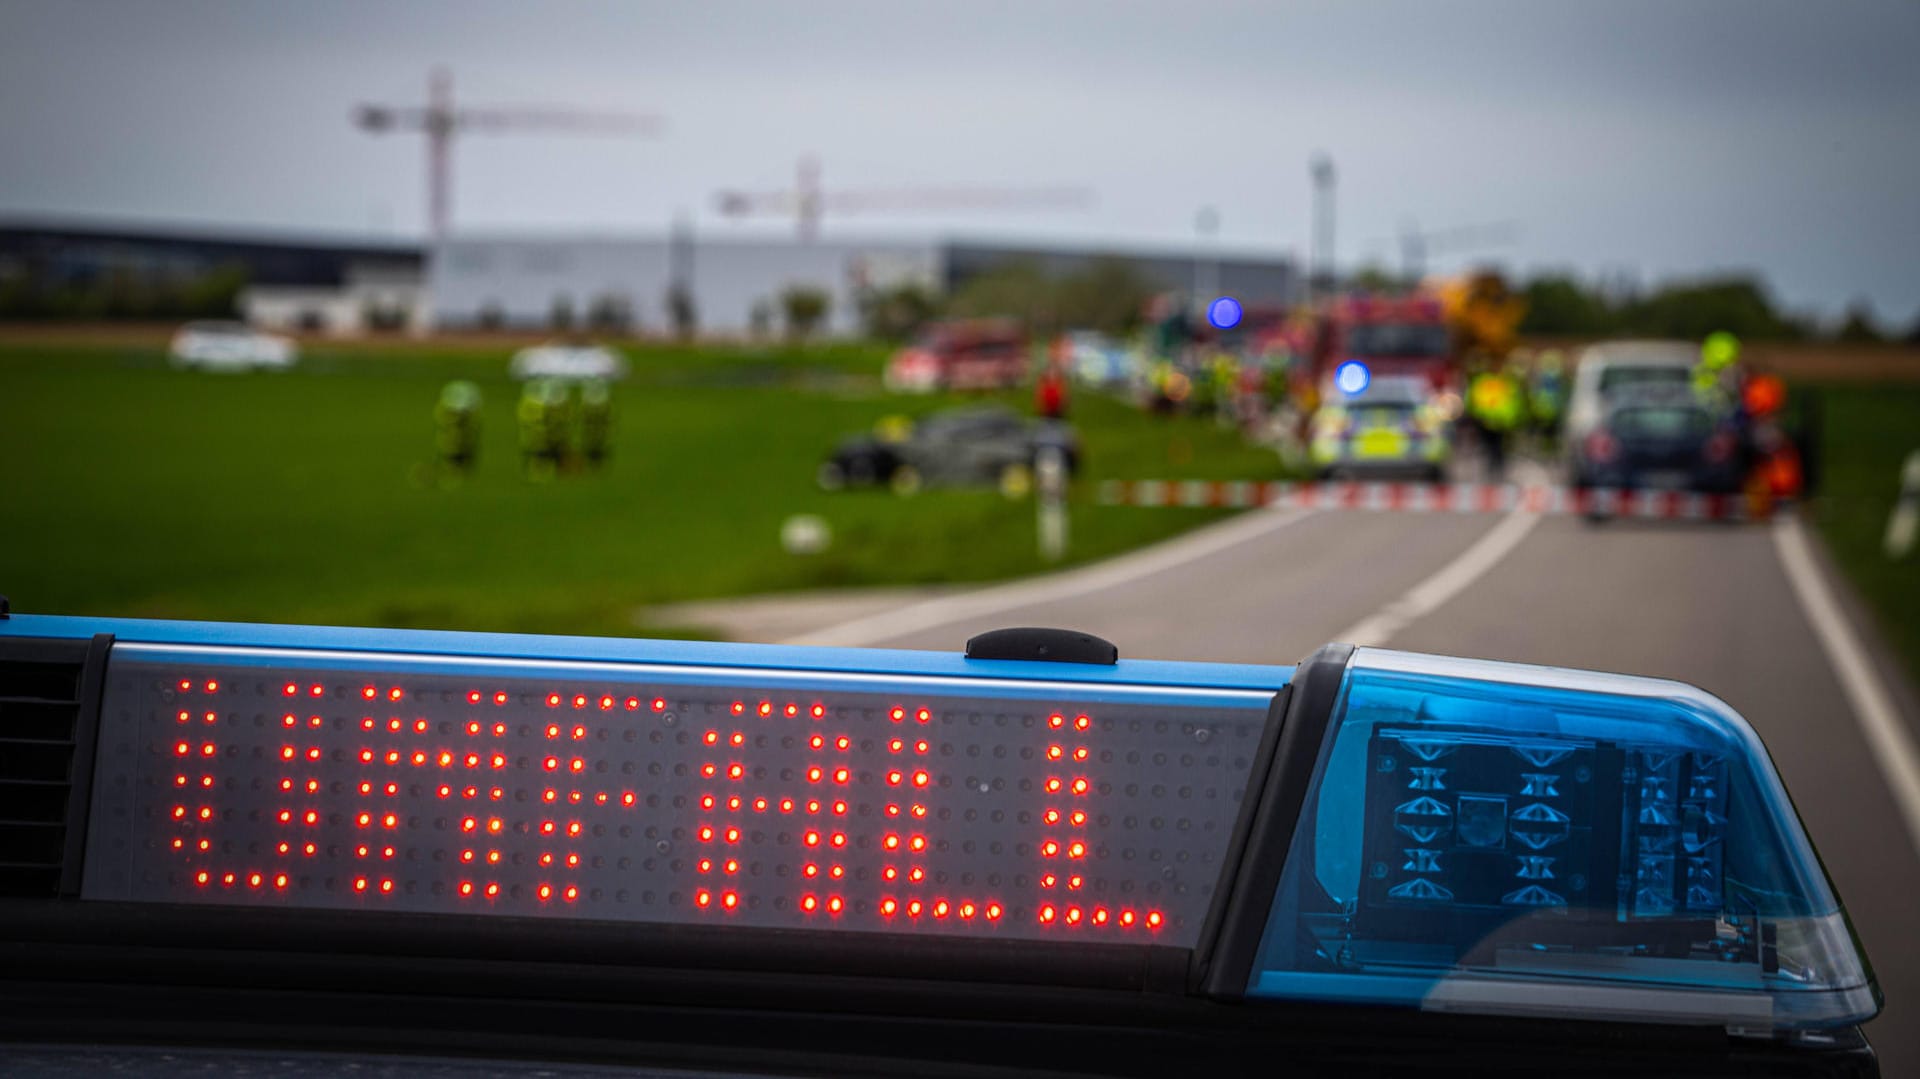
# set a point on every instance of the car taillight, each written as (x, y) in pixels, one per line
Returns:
(1602, 446)
(1720, 447)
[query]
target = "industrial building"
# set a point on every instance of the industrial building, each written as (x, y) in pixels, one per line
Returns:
(348, 285)
(736, 284)
(312, 284)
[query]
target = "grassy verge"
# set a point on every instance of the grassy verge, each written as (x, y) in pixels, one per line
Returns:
(1868, 432)
(133, 489)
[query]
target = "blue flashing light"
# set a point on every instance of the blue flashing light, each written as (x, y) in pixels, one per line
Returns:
(1224, 313)
(1528, 840)
(1351, 377)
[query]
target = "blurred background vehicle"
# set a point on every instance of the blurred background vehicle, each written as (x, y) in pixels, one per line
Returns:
(230, 346)
(978, 354)
(970, 446)
(1392, 335)
(1394, 428)
(1606, 368)
(568, 361)
(1659, 437)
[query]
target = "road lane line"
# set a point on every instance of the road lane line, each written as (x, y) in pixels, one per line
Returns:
(1113, 573)
(1449, 581)
(1454, 577)
(1890, 741)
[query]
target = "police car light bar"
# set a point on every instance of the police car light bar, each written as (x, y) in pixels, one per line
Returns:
(1371, 827)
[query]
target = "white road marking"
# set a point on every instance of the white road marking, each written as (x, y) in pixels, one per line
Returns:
(1449, 580)
(1888, 738)
(1113, 573)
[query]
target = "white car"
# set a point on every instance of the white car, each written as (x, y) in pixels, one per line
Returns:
(230, 346)
(1608, 367)
(571, 362)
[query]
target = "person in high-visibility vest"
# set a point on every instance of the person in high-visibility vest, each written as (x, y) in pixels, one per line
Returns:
(1716, 378)
(1547, 395)
(596, 422)
(559, 401)
(1495, 402)
(536, 414)
(456, 434)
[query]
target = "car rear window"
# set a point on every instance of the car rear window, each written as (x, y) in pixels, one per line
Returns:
(1661, 422)
(1614, 378)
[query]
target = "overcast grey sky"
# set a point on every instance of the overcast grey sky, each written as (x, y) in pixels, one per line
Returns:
(1660, 139)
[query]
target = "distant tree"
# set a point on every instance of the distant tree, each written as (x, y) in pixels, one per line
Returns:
(1013, 290)
(1860, 327)
(805, 306)
(560, 314)
(1558, 305)
(1374, 277)
(681, 309)
(893, 314)
(1738, 305)
(214, 294)
(760, 320)
(610, 313)
(1912, 336)
(492, 316)
(380, 315)
(1107, 296)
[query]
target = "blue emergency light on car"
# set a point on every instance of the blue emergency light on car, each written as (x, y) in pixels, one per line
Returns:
(1352, 377)
(1489, 837)
(1372, 827)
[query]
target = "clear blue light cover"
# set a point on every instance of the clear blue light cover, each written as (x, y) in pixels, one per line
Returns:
(1507, 839)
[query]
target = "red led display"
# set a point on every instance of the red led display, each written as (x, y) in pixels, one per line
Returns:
(831, 810)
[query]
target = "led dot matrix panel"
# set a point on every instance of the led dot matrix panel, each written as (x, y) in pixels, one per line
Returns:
(668, 795)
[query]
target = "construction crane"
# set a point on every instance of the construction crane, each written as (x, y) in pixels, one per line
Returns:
(806, 202)
(441, 120)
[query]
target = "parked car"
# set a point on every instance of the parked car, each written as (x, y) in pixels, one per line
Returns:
(575, 362)
(230, 346)
(959, 447)
(1659, 437)
(1396, 426)
(1608, 368)
(984, 354)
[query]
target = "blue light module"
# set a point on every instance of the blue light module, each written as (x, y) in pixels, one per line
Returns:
(1224, 313)
(1352, 377)
(1530, 840)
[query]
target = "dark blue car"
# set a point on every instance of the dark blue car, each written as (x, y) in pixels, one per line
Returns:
(1659, 438)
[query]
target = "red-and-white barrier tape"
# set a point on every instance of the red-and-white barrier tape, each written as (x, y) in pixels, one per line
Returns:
(1437, 498)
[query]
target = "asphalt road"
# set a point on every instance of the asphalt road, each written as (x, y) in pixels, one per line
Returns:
(1706, 604)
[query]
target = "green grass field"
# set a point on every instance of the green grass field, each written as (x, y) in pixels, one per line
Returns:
(1868, 432)
(133, 489)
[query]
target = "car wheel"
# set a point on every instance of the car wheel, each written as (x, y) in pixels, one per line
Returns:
(831, 476)
(905, 481)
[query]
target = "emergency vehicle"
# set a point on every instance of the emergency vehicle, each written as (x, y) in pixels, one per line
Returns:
(234, 849)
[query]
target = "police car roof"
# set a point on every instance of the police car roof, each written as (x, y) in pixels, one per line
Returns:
(1393, 390)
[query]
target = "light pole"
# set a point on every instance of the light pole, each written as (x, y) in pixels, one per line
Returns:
(1206, 265)
(1320, 258)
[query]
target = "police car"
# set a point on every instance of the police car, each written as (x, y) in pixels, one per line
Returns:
(1387, 426)
(244, 848)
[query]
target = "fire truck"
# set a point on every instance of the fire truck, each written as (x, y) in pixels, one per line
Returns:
(1392, 335)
